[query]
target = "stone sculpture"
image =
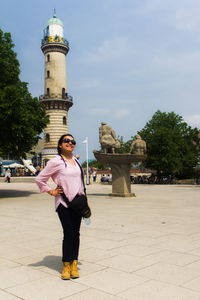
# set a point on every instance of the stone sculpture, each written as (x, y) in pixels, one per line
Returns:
(138, 146)
(107, 139)
(120, 163)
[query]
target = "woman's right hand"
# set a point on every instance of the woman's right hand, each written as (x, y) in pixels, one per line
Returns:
(56, 192)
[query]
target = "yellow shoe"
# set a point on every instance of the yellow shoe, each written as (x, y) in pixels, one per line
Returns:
(66, 271)
(74, 269)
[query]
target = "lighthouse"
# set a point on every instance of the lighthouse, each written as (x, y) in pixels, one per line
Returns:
(56, 99)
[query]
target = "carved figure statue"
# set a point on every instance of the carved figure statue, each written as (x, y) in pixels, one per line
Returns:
(138, 146)
(107, 138)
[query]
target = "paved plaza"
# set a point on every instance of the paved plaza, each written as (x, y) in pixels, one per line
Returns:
(143, 248)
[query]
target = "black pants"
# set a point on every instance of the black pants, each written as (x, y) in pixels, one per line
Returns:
(71, 230)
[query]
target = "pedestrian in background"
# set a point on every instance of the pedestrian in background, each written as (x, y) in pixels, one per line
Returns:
(94, 174)
(8, 175)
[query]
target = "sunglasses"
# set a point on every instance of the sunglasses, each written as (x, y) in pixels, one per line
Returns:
(68, 141)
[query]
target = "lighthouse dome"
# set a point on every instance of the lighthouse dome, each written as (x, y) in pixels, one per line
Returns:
(55, 20)
(54, 27)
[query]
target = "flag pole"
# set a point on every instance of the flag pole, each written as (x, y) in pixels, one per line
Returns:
(87, 171)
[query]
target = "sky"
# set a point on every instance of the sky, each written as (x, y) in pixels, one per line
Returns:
(127, 59)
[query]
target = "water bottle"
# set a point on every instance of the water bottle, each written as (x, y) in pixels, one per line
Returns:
(87, 221)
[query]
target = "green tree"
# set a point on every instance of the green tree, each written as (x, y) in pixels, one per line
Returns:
(172, 145)
(125, 146)
(22, 117)
(93, 164)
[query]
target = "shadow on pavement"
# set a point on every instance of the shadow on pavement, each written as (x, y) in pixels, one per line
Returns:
(15, 193)
(51, 262)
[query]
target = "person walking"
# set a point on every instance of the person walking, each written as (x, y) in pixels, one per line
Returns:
(65, 171)
(8, 175)
(94, 174)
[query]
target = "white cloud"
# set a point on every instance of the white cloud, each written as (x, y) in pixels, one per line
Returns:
(121, 113)
(90, 83)
(193, 120)
(148, 7)
(98, 111)
(188, 17)
(117, 114)
(109, 50)
(187, 62)
(181, 14)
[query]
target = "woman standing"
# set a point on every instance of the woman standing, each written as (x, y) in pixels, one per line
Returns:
(66, 173)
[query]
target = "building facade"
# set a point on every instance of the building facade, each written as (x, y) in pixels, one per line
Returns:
(56, 99)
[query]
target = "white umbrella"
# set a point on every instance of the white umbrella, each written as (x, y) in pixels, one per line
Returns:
(16, 165)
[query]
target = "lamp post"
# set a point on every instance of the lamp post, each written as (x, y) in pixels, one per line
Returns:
(87, 170)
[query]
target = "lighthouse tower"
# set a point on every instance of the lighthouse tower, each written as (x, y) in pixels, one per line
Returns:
(56, 99)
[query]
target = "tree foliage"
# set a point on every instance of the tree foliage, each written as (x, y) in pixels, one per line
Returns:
(93, 164)
(22, 117)
(125, 146)
(172, 145)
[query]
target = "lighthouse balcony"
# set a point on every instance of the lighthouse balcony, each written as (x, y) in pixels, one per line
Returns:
(66, 96)
(54, 40)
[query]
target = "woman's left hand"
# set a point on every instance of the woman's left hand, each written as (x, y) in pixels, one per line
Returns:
(56, 192)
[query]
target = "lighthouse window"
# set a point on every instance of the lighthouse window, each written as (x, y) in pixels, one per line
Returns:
(48, 57)
(47, 138)
(63, 93)
(48, 92)
(64, 121)
(48, 74)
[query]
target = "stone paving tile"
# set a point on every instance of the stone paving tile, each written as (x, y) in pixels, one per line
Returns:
(93, 232)
(92, 294)
(49, 288)
(143, 241)
(7, 251)
(169, 273)
(117, 236)
(111, 281)
(18, 275)
(94, 254)
(108, 244)
(193, 285)
(85, 268)
(195, 236)
(180, 259)
(5, 264)
(153, 233)
(136, 250)
(128, 263)
(7, 296)
(179, 245)
(174, 257)
(194, 266)
(155, 290)
(195, 251)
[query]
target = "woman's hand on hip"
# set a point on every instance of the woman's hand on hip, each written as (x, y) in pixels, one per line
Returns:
(56, 192)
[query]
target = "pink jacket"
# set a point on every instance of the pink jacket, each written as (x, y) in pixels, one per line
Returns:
(63, 174)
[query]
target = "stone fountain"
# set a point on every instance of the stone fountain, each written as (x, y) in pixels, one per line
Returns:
(120, 164)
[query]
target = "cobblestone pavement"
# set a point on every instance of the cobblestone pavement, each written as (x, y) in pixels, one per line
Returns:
(143, 248)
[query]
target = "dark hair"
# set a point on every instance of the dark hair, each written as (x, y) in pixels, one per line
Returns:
(60, 141)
